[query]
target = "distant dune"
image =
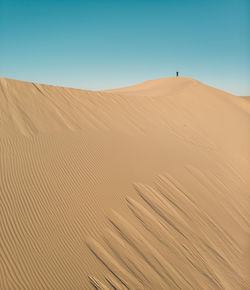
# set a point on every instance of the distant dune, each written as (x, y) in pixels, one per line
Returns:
(143, 187)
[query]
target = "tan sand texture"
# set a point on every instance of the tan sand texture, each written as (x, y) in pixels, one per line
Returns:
(144, 187)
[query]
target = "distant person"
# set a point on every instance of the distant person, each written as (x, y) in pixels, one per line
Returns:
(177, 73)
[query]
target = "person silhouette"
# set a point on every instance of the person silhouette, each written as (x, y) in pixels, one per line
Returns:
(177, 73)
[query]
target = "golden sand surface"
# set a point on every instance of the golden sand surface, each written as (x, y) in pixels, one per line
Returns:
(144, 187)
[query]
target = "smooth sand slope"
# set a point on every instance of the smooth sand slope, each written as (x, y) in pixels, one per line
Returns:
(145, 187)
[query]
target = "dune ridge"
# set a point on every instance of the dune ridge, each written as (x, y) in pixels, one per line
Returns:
(144, 187)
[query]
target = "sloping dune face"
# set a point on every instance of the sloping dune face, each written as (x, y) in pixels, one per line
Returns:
(145, 187)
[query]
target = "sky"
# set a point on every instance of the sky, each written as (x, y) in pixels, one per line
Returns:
(103, 44)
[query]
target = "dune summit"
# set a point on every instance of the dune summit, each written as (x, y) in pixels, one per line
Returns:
(143, 187)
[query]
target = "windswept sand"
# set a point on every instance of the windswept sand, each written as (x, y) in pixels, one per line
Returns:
(144, 187)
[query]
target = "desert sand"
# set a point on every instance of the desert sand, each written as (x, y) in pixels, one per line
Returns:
(144, 187)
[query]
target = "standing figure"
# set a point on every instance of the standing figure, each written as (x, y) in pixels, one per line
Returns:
(177, 74)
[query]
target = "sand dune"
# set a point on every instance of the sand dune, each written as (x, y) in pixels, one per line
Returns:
(144, 187)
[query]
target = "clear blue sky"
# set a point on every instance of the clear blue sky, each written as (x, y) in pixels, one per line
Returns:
(98, 44)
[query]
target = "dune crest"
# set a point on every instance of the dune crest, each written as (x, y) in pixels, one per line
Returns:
(144, 187)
